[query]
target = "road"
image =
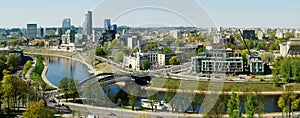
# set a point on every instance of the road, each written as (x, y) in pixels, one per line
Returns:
(100, 112)
(122, 113)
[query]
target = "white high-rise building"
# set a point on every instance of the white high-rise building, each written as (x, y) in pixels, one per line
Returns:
(279, 34)
(176, 34)
(260, 35)
(88, 24)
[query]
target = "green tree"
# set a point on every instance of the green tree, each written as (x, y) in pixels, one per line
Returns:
(244, 54)
(172, 86)
(114, 43)
(64, 86)
(13, 61)
(146, 64)
(233, 106)
(107, 48)
(27, 66)
(12, 88)
(289, 35)
(285, 70)
(167, 51)
(169, 39)
(201, 50)
(38, 110)
(99, 51)
(72, 90)
(275, 45)
(217, 111)
(174, 60)
(277, 66)
(260, 46)
(197, 100)
(119, 56)
(249, 43)
(288, 102)
(229, 45)
(295, 69)
(6, 72)
(250, 105)
(132, 95)
(267, 57)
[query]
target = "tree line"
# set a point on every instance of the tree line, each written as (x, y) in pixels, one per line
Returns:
(16, 93)
(287, 68)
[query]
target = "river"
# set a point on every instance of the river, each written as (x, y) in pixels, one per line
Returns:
(59, 68)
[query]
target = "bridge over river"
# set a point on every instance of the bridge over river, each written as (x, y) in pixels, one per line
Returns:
(110, 78)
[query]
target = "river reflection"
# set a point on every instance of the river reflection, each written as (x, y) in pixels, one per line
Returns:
(59, 68)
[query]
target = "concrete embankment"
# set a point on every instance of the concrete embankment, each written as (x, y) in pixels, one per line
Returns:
(266, 93)
(46, 67)
(45, 78)
(270, 93)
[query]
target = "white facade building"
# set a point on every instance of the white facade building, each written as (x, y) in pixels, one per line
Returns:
(176, 34)
(290, 48)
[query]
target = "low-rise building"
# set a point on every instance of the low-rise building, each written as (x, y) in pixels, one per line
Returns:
(163, 59)
(255, 64)
(291, 48)
(136, 59)
(218, 61)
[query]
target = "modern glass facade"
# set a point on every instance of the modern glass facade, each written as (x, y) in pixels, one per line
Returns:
(107, 24)
(32, 31)
(66, 25)
(218, 61)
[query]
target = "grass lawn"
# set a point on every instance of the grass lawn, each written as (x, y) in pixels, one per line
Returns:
(228, 86)
(106, 68)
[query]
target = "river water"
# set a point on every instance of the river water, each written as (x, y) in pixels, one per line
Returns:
(59, 68)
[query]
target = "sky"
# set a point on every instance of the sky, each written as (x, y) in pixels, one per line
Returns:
(219, 13)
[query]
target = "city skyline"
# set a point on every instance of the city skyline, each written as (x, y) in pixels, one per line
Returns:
(234, 13)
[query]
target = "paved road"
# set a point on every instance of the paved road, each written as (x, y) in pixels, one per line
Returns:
(102, 112)
(99, 112)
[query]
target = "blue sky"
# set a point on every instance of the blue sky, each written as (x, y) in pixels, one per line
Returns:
(225, 13)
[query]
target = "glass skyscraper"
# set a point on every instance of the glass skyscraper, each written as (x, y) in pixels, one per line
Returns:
(32, 31)
(66, 25)
(89, 23)
(107, 24)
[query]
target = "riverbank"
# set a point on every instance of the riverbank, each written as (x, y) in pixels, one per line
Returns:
(202, 87)
(149, 88)
(45, 79)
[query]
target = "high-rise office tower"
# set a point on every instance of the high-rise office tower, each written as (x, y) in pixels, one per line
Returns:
(66, 25)
(32, 31)
(41, 33)
(89, 22)
(107, 24)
